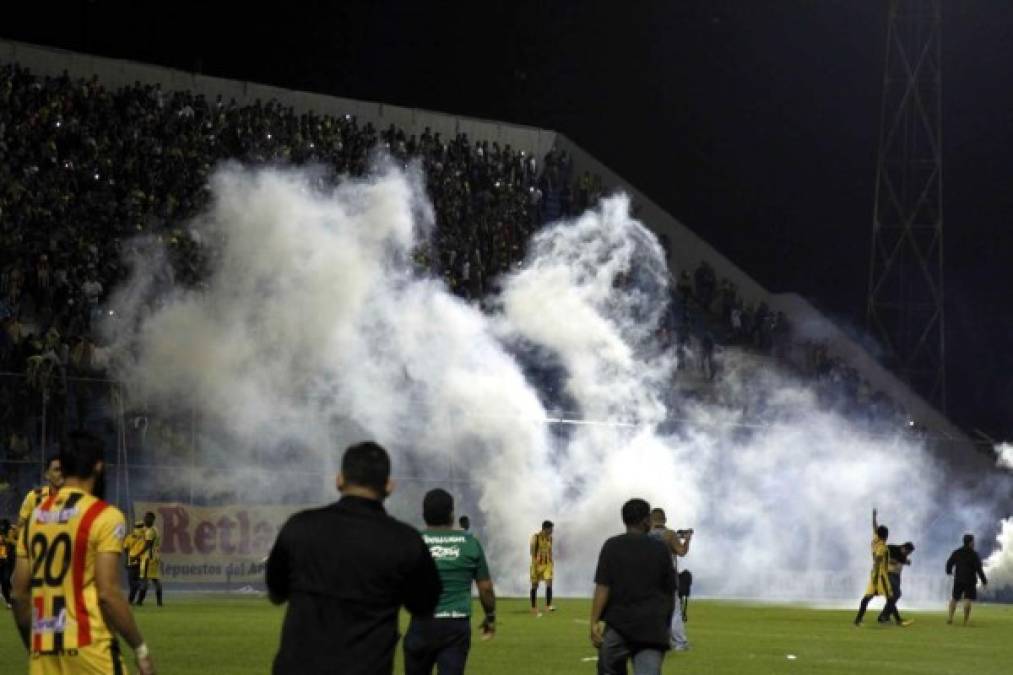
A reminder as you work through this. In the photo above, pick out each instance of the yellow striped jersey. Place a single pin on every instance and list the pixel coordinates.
(61, 540)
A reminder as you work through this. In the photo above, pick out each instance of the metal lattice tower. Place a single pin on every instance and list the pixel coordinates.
(905, 302)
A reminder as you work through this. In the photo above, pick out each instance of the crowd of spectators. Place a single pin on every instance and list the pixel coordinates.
(711, 314)
(83, 169)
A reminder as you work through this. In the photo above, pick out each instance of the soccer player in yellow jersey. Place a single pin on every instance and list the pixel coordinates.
(68, 605)
(879, 577)
(541, 566)
(6, 560)
(35, 496)
(133, 546)
(150, 560)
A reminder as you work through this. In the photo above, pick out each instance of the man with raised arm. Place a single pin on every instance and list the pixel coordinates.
(879, 577)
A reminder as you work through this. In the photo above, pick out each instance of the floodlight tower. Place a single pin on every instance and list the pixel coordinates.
(904, 308)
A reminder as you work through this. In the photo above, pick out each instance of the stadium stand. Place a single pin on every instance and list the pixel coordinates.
(85, 165)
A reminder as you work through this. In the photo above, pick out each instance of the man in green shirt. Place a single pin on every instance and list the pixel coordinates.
(444, 639)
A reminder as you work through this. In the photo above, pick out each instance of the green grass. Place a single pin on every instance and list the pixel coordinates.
(226, 635)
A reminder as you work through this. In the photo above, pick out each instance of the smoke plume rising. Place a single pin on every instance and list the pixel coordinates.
(553, 400)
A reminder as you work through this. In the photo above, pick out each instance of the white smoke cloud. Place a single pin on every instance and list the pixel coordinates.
(999, 565)
(1004, 455)
(314, 327)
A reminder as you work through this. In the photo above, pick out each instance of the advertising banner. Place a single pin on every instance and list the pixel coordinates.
(215, 544)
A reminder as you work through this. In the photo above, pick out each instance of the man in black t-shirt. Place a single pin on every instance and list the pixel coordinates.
(634, 593)
(345, 571)
(965, 577)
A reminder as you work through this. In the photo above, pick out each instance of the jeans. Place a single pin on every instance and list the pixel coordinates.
(890, 609)
(615, 651)
(443, 643)
(679, 640)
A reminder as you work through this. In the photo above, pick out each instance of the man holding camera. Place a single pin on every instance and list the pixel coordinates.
(677, 543)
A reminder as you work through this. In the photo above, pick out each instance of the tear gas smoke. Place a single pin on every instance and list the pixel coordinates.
(999, 564)
(315, 328)
(1004, 455)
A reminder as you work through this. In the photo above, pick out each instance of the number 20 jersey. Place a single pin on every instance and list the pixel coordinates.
(61, 540)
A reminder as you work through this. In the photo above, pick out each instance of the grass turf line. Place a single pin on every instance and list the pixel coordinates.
(229, 635)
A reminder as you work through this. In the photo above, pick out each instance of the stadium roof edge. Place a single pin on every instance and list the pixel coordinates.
(53, 61)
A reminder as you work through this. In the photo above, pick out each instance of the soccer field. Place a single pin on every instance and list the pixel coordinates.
(238, 635)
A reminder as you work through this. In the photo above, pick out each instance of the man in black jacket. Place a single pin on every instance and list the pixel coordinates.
(634, 595)
(965, 579)
(345, 570)
(899, 556)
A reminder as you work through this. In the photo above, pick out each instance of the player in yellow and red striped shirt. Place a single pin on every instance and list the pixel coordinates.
(542, 566)
(68, 604)
(35, 496)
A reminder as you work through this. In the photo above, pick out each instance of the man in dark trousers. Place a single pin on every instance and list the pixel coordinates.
(899, 556)
(345, 570)
(444, 639)
(965, 565)
(634, 595)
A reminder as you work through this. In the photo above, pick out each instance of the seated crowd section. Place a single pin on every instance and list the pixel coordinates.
(83, 169)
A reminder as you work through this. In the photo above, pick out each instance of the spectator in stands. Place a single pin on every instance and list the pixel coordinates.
(705, 283)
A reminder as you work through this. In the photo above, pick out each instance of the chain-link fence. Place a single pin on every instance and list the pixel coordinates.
(180, 457)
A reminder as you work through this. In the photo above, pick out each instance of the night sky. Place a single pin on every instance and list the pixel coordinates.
(755, 123)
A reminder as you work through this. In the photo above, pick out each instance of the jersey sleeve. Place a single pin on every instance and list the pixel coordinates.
(27, 506)
(108, 531)
(21, 548)
(482, 565)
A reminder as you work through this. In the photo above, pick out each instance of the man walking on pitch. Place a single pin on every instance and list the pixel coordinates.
(150, 560)
(634, 592)
(899, 556)
(68, 605)
(444, 639)
(133, 546)
(879, 577)
(965, 565)
(542, 566)
(677, 546)
(345, 571)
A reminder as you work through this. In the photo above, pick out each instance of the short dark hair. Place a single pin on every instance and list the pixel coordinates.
(80, 452)
(438, 507)
(636, 511)
(968, 539)
(883, 532)
(51, 459)
(909, 546)
(464, 522)
(546, 524)
(368, 465)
